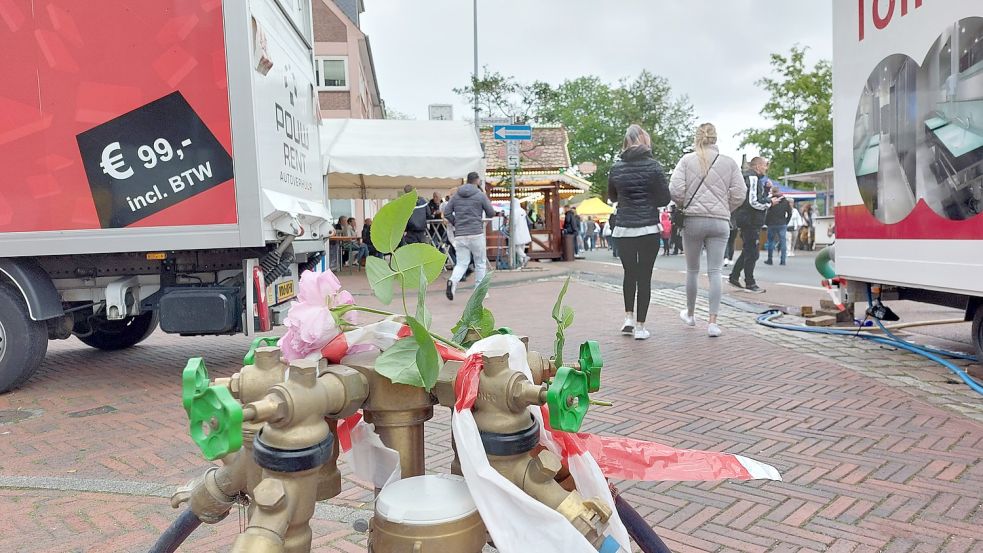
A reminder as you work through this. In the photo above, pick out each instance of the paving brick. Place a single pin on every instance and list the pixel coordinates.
(871, 463)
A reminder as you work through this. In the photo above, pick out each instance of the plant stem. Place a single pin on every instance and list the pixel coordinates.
(437, 337)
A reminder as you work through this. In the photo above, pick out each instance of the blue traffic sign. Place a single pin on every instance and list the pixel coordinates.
(512, 132)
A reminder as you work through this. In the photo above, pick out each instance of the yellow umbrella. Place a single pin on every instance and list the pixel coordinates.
(594, 206)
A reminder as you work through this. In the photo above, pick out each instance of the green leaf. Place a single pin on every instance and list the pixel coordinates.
(398, 363)
(413, 360)
(422, 313)
(427, 357)
(559, 301)
(486, 325)
(381, 278)
(563, 315)
(473, 311)
(389, 224)
(414, 262)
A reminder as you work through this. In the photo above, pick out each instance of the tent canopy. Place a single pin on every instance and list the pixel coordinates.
(375, 158)
(594, 206)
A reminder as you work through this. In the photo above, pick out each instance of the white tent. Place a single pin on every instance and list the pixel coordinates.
(375, 158)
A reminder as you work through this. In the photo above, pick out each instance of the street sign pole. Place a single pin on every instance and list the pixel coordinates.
(512, 211)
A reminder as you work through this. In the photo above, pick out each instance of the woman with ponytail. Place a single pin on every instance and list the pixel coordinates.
(707, 187)
(638, 184)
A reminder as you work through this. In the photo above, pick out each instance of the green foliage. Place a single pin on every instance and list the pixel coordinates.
(563, 315)
(422, 313)
(381, 277)
(390, 223)
(800, 109)
(418, 263)
(595, 114)
(413, 360)
(475, 317)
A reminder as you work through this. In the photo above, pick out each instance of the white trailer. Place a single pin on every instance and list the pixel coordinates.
(908, 129)
(161, 166)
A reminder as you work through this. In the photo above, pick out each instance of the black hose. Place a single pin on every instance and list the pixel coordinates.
(638, 529)
(176, 533)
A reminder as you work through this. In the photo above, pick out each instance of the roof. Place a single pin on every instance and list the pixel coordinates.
(824, 177)
(547, 151)
(375, 158)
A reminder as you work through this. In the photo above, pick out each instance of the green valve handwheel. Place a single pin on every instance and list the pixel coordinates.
(250, 357)
(568, 400)
(215, 420)
(591, 364)
(194, 381)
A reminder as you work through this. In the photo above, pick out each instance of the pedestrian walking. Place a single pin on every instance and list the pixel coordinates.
(666, 221)
(571, 226)
(709, 188)
(777, 219)
(593, 229)
(416, 226)
(676, 230)
(522, 236)
(612, 224)
(465, 211)
(807, 236)
(750, 217)
(794, 225)
(638, 184)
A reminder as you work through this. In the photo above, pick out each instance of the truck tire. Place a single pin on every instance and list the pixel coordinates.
(23, 342)
(115, 335)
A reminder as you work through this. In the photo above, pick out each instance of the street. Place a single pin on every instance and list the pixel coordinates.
(879, 450)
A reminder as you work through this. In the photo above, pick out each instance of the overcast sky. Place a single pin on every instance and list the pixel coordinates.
(711, 50)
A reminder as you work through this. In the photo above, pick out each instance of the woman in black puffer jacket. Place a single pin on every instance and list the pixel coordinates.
(639, 185)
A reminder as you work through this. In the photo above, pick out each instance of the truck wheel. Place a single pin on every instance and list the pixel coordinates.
(114, 335)
(23, 342)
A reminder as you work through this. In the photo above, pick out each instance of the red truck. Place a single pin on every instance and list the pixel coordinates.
(161, 166)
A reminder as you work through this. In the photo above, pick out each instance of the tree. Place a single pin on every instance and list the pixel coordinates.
(800, 108)
(594, 113)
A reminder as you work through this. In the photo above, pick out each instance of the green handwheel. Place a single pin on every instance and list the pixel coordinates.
(591, 364)
(250, 357)
(568, 400)
(194, 381)
(215, 419)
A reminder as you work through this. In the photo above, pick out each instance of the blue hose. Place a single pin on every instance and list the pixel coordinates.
(930, 349)
(766, 319)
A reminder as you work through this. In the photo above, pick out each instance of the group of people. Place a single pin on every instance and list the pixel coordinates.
(589, 233)
(713, 202)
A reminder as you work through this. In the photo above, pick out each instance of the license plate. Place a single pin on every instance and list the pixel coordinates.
(285, 291)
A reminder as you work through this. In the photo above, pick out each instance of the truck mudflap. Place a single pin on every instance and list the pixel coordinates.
(34, 284)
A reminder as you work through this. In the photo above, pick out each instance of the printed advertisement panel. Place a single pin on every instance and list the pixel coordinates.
(286, 123)
(908, 86)
(114, 114)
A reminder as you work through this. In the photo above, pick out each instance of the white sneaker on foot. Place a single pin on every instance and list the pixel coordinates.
(642, 333)
(713, 330)
(629, 325)
(690, 320)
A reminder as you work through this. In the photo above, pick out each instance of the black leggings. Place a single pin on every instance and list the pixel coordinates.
(638, 255)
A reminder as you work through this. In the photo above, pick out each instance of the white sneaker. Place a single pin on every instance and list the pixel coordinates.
(713, 330)
(642, 333)
(690, 320)
(629, 325)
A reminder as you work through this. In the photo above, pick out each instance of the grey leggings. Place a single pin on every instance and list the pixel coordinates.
(711, 234)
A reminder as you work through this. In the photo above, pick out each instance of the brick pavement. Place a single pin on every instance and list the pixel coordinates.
(869, 462)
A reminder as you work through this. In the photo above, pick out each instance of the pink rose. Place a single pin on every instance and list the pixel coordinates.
(310, 325)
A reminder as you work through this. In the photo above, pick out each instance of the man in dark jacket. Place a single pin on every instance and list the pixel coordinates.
(416, 226)
(465, 211)
(777, 219)
(750, 217)
(571, 225)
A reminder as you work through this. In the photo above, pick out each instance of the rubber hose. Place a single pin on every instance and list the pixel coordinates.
(766, 320)
(177, 532)
(638, 529)
(824, 262)
(930, 349)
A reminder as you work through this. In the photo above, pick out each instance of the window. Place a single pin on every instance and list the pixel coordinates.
(331, 73)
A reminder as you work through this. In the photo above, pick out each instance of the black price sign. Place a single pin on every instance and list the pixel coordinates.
(149, 159)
